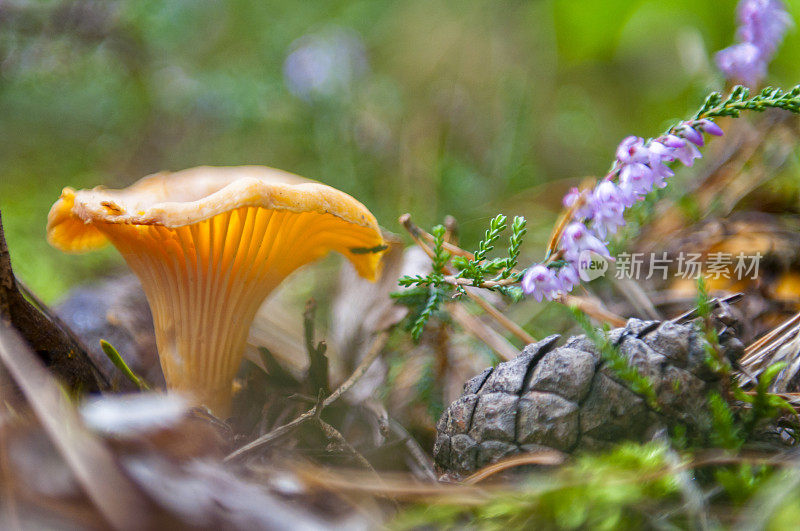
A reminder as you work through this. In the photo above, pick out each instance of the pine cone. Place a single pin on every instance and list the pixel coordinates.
(568, 399)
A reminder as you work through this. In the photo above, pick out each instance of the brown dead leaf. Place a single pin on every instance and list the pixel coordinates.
(91, 461)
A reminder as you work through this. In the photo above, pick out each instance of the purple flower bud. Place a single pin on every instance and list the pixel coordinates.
(707, 126)
(689, 133)
(539, 281)
(571, 197)
(671, 141)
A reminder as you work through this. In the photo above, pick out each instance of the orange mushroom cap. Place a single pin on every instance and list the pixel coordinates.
(209, 244)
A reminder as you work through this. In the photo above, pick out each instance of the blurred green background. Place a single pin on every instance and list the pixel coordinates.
(423, 106)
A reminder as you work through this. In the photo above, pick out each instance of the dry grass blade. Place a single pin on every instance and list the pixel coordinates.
(424, 466)
(507, 323)
(781, 344)
(592, 308)
(392, 485)
(483, 332)
(418, 234)
(542, 457)
(403, 487)
(92, 463)
(638, 298)
(753, 350)
(564, 220)
(713, 304)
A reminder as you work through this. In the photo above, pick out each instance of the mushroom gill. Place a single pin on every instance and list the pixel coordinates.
(209, 244)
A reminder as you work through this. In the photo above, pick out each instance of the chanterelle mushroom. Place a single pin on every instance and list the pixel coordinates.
(209, 244)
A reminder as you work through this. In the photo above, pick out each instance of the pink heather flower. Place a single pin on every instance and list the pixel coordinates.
(635, 181)
(742, 62)
(762, 25)
(660, 154)
(540, 282)
(567, 278)
(577, 238)
(632, 149)
(608, 205)
(687, 154)
(584, 211)
(641, 167)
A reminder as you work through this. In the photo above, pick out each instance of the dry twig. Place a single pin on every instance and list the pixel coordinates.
(375, 350)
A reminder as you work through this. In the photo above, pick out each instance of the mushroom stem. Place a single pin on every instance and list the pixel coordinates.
(202, 305)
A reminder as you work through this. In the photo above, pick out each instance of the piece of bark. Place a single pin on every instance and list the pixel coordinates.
(55, 346)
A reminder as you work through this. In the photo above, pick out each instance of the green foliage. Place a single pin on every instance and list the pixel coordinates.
(636, 382)
(725, 432)
(596, 491)
(478, 270)
(731, 429)
(518, 231)
(740, 482)
(474, 268)
(113, 354)
(440, 256)
(739, 100)
(714, 358)
(429, 392)
(432, 285)
(764, 405)
(435, 296)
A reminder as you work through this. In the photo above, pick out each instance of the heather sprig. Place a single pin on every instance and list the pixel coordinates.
(475, 268)
(640, 167)
(592, 215)
(426, 292)
(739, 100)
